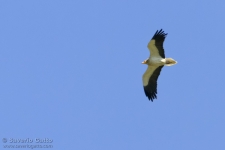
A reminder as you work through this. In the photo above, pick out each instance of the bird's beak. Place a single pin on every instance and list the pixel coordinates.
(144, 62)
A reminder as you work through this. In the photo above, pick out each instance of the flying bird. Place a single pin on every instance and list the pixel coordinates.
(155, 63)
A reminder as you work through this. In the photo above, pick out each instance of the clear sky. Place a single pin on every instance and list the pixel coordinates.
(71, 71)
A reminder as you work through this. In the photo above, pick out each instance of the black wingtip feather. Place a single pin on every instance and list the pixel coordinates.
(150, 94)
(159, 35)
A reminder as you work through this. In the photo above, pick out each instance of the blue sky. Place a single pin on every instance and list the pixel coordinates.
(71, 71)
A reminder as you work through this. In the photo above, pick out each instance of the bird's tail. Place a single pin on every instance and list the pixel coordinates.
(170, 62)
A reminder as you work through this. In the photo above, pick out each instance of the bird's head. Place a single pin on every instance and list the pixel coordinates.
(145, 61)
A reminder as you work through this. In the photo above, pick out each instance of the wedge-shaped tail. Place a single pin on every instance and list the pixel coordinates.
(170, 62)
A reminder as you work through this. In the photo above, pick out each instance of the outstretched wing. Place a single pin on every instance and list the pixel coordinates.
(150, 81)
(156, 44)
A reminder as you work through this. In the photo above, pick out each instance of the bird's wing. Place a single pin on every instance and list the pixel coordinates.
(156, 44)
(150, 81)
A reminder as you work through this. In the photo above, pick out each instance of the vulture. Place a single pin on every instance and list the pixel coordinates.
(155, 63)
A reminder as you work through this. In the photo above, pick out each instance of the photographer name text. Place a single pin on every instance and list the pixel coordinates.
(29, 140)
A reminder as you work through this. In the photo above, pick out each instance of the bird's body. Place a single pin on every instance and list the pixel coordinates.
(155, 63)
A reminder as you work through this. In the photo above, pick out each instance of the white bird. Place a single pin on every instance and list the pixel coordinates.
(155, 63)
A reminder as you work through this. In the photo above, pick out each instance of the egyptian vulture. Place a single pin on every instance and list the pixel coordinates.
(155, 63)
